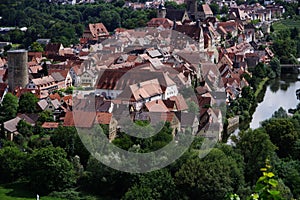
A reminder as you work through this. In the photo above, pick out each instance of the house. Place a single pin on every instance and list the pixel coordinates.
(62, 78)
(177, 15)
(46, 83)
(95, 33)
(236, 13)
(49, 105)
(160, 22)
(194, 31)
(10, 126)
(88, 78)
(113, 82)
(205, 11)
(80, 119)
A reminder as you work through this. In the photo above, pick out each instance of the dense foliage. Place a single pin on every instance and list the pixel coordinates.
(64, 23)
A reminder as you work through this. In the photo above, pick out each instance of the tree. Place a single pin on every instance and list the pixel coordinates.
(9, 107)
(275, 66)
(224, 10)
(210, 178)
(68, 139)
(215, 8)
(111, 19)
(24, 128)
(255, 146)
(12, 163)
(28, 103)
(282, 133)
(280, 113)
(153, 185)
(49, 170)
(112, 182)
(294, 33)
(36, 47)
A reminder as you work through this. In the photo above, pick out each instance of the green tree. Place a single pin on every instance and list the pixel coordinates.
(255, 146)
(153, 185)
(215, 8)
(28, 103)
(68, 139)
(12, 164)
(280, 113)
(111, 19)
(294, 33)
(49, 170)
(210, 178)
(24, 128)
(275, 66)
(266, 186)
(9, 107)
(36, 47)
(282, 133)
(112, 182)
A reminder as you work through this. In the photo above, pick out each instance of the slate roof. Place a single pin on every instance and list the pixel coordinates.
(175, 14)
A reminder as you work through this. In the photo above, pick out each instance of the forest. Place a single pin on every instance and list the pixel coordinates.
(65, 23)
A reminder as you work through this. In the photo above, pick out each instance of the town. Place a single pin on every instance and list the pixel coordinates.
(195, 69)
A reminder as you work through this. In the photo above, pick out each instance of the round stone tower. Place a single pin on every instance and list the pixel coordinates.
(17, 69)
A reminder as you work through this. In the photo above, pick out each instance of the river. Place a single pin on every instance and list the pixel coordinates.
(279, 93)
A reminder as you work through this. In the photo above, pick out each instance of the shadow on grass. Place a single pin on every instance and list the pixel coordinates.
(19, 189)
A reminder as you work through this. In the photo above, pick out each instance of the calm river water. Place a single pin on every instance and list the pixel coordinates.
(279, 93)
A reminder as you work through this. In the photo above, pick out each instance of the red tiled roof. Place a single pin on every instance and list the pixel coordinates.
(54, 96)
(79, 118)
(156, 22)
(98, 29)
(50, 125)
(103, 118)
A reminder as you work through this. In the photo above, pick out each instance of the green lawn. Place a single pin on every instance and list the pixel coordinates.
(286, 23)
(16, 191)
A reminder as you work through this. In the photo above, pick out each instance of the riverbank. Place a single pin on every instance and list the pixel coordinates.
(261, 86)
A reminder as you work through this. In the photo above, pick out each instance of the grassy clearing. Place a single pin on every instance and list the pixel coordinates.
(260, 86)
(17, 191)
(286, 23)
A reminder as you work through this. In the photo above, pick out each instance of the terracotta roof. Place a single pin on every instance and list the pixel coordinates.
(81, 119)
(164, 22)
(98, 29)
(19, 91)
(54, 96)
(180, 102)
(103, 118)
(50, 125)
(156, 106)
(43, 81)
(206, 9)
(146, 89)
